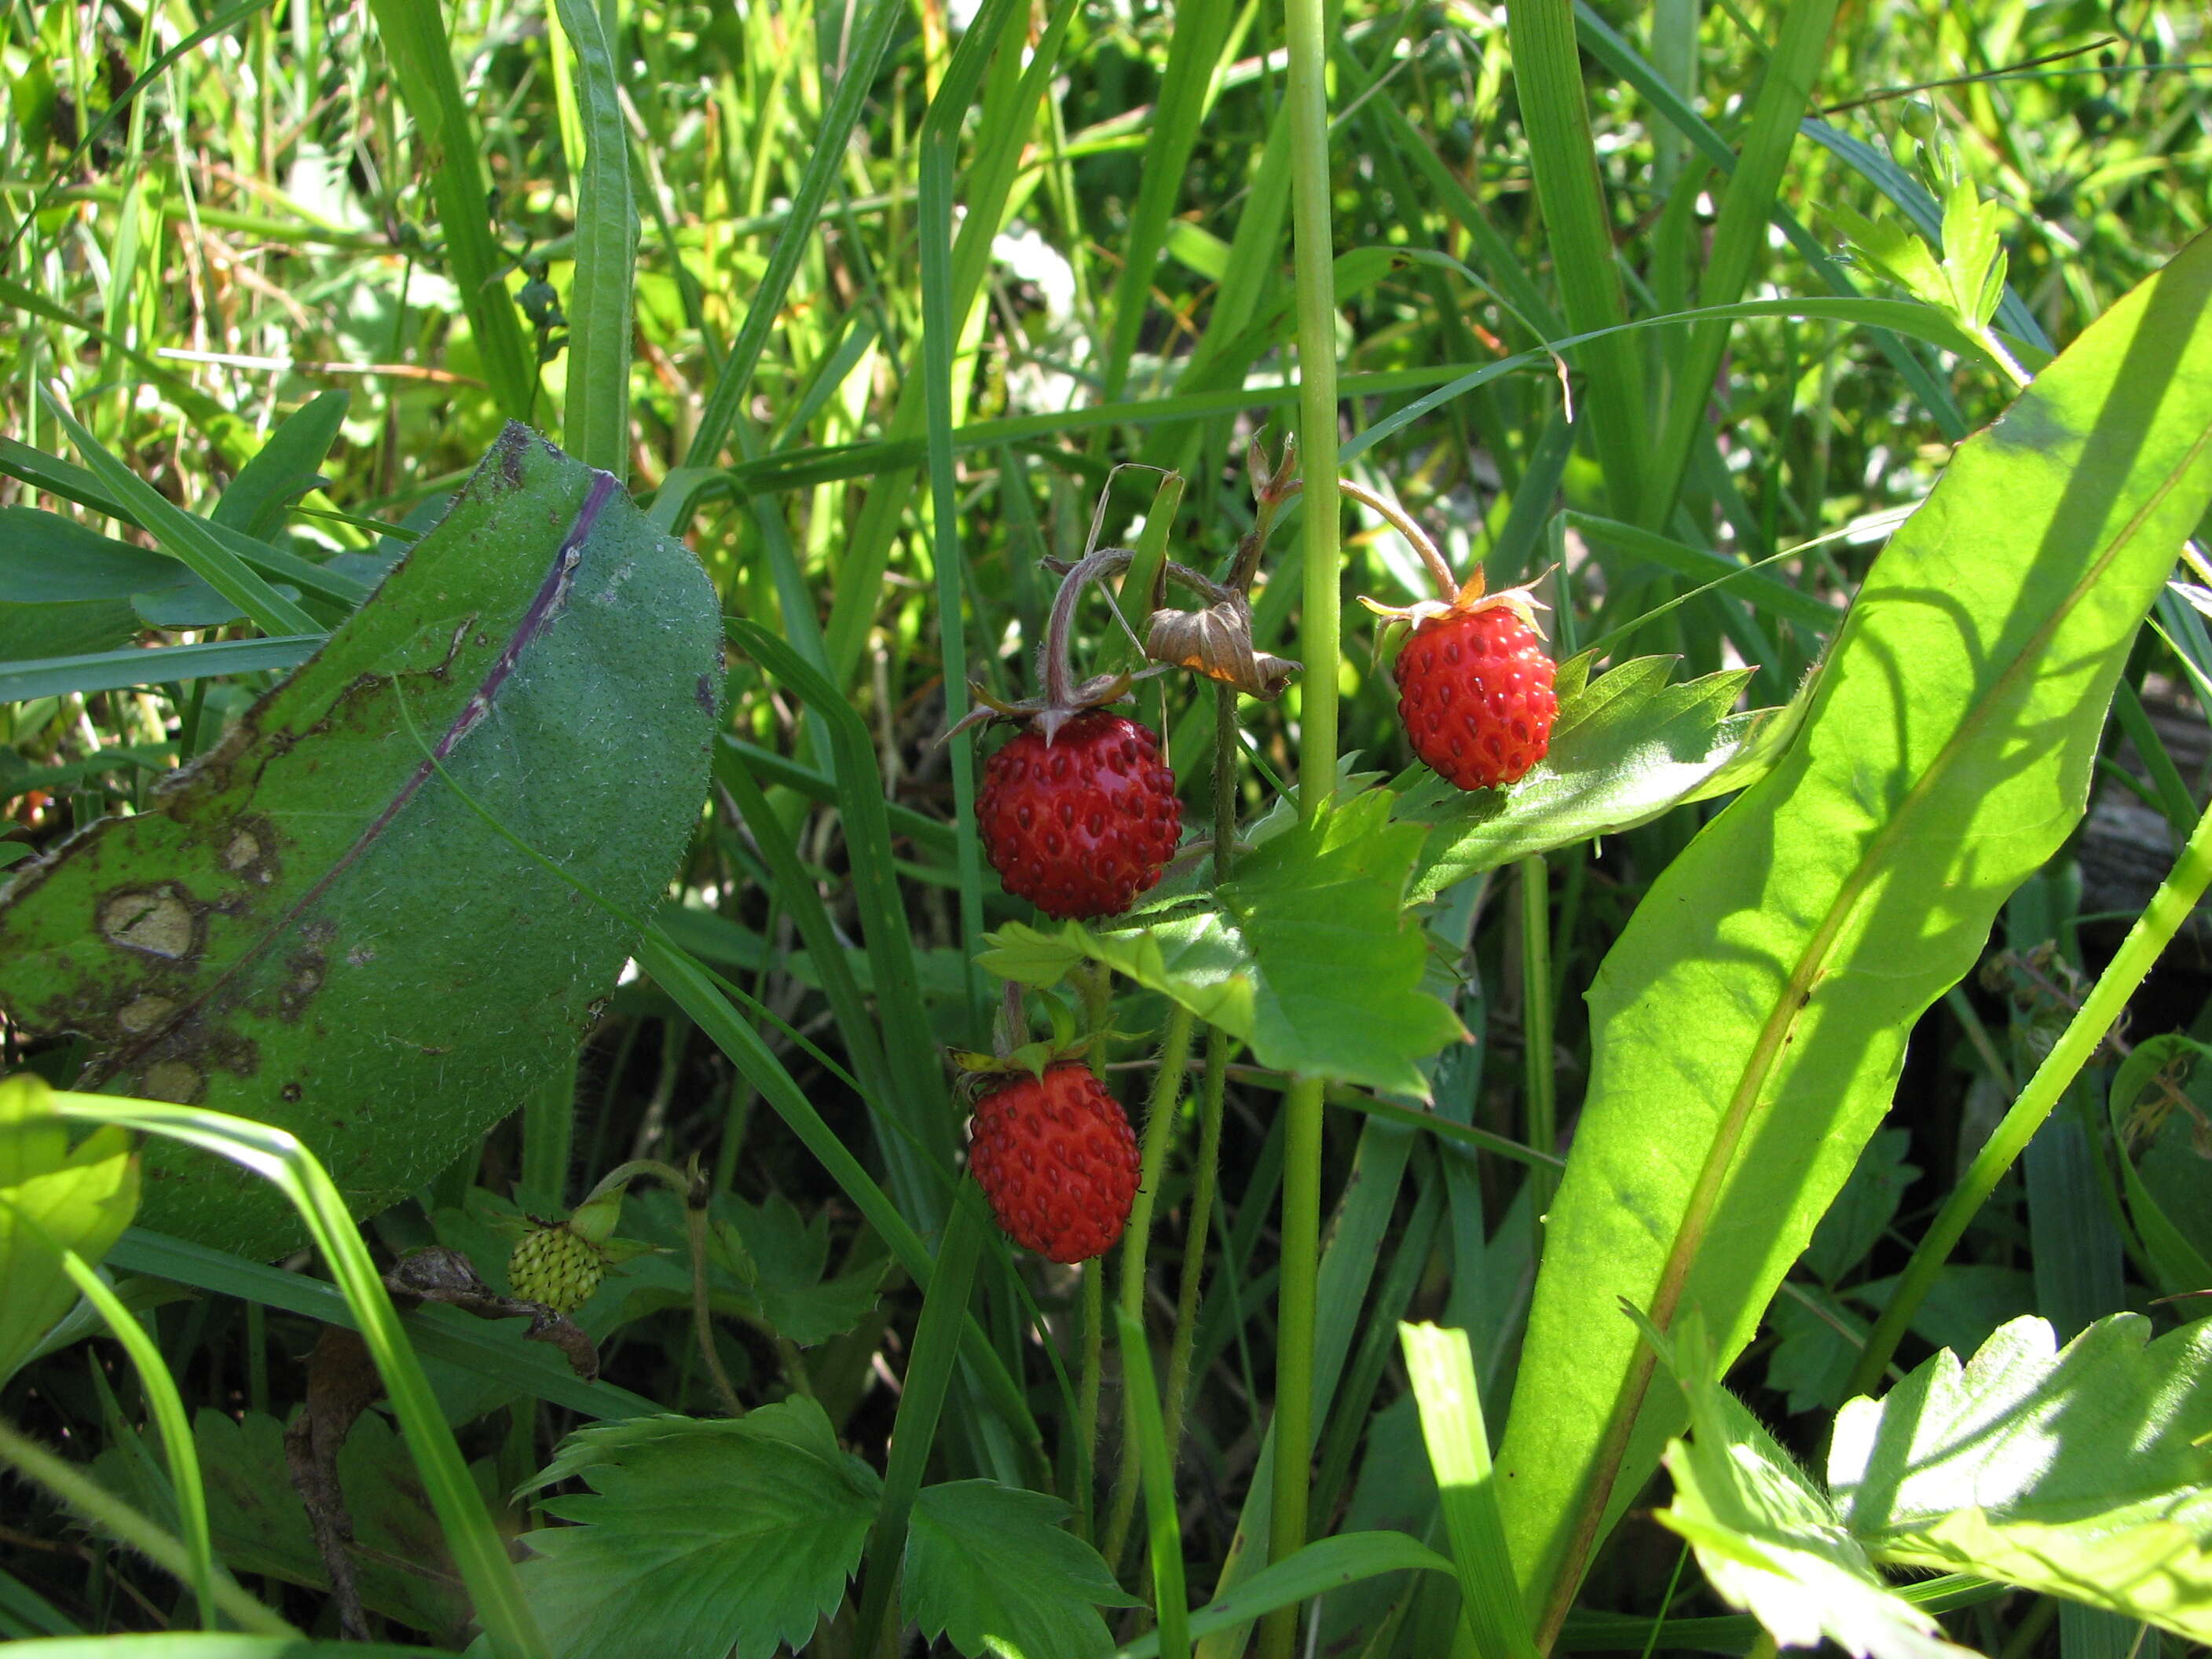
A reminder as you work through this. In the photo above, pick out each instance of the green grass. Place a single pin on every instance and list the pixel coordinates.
(866, 305)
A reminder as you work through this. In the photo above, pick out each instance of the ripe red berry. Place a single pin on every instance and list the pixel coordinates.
(1056, 1158)
(1081, 825)
(1475, 695)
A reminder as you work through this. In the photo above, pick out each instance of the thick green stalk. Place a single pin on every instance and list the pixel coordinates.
(1321, 648)
(2107, 1000)
(1086, 1399)
(1295, 1319)
(1537, 1029)
(1136, 1246)
(1205, 1174)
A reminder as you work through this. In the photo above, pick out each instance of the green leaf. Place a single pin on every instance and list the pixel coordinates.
(991, 1567)
(2165, 1137)
(1863, 1210)
(283, 469)
(1893, 251)
(1751, 1019)
(1309, 958)
(258, 1524)
(1769, 1539)
(1625, 748)
(699, 1536)
(52, 1195)
(310, 928)
(2084, 1473)
(189, 1645)
(766, 1263)
(187, 536)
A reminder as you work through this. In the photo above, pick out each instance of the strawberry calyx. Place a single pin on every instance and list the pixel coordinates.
(1467, 600)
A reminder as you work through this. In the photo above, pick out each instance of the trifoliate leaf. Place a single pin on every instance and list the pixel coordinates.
(1768, 1539)
(990, 1567)
(1625, 748)
(2084, 1473)
(1306, 953)
(700, 1537)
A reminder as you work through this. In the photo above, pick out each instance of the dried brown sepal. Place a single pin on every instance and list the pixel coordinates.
(1522, 601)
(1217, 642)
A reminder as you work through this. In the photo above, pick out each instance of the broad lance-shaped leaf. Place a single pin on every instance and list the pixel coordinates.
(991, 1568)
(700, 1537)
(1626, 747)
(310, 928)
(1750, 1022)
(2084, 1473)
(1309, 958)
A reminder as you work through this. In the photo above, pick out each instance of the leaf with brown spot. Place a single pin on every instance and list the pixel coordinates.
(310, 928)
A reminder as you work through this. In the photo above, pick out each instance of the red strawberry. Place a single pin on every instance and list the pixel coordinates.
(1475, 694)
(1056, 1158)
(1080, 825)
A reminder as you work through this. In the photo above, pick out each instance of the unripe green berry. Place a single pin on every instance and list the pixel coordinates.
(553, 1265)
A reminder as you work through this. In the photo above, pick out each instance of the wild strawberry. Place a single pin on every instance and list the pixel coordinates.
(1475, 695)
(1474, 687)
(1056, 1158)
(1083, 822)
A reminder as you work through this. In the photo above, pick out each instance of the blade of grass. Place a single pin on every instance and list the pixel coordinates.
(170, 664)
(1162, 1520)
(1441, 1367)
(921, 1400)
(414, 34)
(1555, 112)
(1739, 239)
(185, 535)
(277, 1158)
(795, 228)
(595, 420)
(167, 1406)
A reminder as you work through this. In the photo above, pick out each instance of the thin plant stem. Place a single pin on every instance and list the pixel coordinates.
(2108, 1000)
(1204, 1175)
(1306, 101)
(1536, 1030)
(1086, 1398)
(102, 1509)
(1136, 1247)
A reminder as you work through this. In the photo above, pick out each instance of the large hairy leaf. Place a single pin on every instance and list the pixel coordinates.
(991, 1567)
(700, 1537)
(311, 927)
(1750, 1021)
(1309, 957)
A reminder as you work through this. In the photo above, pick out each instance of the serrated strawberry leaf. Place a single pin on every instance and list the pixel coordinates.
(1305, 954)
(2084, 1473)
(990, 1567)
(1625, 748)
(700, 1537)
(1768, 1538)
